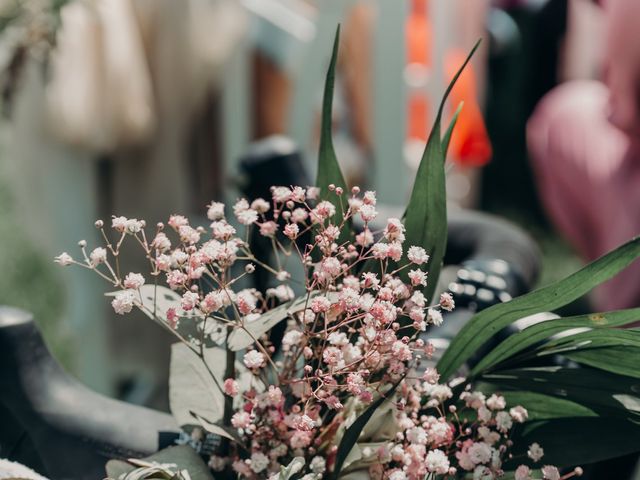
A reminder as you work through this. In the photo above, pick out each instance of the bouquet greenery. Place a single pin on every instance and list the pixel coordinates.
(351, 389)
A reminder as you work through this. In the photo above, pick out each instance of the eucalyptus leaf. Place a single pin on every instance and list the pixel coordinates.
(518, 342)
(241, 338)
(192, 387)
(292, 469)
(218, 429)
(182, 456)
(426, 214)
(328, 168)
(487, 323)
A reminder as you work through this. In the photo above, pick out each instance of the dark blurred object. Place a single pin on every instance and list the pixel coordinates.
(523, 66)
(53, 423)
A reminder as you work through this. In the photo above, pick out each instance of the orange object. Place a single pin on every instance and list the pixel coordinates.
(470, 144)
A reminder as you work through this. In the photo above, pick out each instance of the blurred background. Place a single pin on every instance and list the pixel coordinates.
(144, 108)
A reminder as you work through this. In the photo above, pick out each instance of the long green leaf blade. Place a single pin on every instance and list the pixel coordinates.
(351, 434)
(578, 441)
(446, 138)
(328, 168)
(605, 393)
(487, 323)
(426, 213)
(536, 333)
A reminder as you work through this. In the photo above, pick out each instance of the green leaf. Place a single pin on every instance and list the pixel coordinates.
(487, 323)
(184, 458)
(604, 393)
(290, 470)
(446, 139)
(577, 441)
(426, 214)
(536, 333)
(328, 168)
(545, 407)
(191, 386)
(622, 360)
(616, 351)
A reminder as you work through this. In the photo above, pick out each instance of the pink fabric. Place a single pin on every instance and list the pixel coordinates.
(622, 64)
(589, 179)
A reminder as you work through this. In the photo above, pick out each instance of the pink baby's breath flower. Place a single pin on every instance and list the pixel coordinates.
(417, 255)
(213, 301)
(299, 215)
(550, 472)
(313, 192)
(368, 212)
(163, 262)
(325, 210)
(369, 198)
(280, 194)
(394, 231)
(189, 301)
(63, 259)
(247, 217)
(98, 256)
(260, 205)
(332, 356)
(364, 238)
(355, 383)
(188, 234)
(291, 339)
(172, 317)
(417, 277)
(431, 376)
(246, 301)
(535, 452)
(320, 304)
(215, 211)
(370, 280)
(240, 206)
(298, 194)
(496, 402)
(133, 281)
(268, 229)
(523, 473)
(331, 267)
(380, 250)
(291, 230)
(176, 278)
(254, 360)
(300, 439)
(446, 302)
(231, 387)
(395, 251)
(304, 423)
(124, 301)
(241, 419)
(519, 414)
(161, 242)
(177, 221)
(221, 230)
(434, 317)
(119, 223)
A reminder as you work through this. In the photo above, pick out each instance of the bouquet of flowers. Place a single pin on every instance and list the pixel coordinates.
(347, 385)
